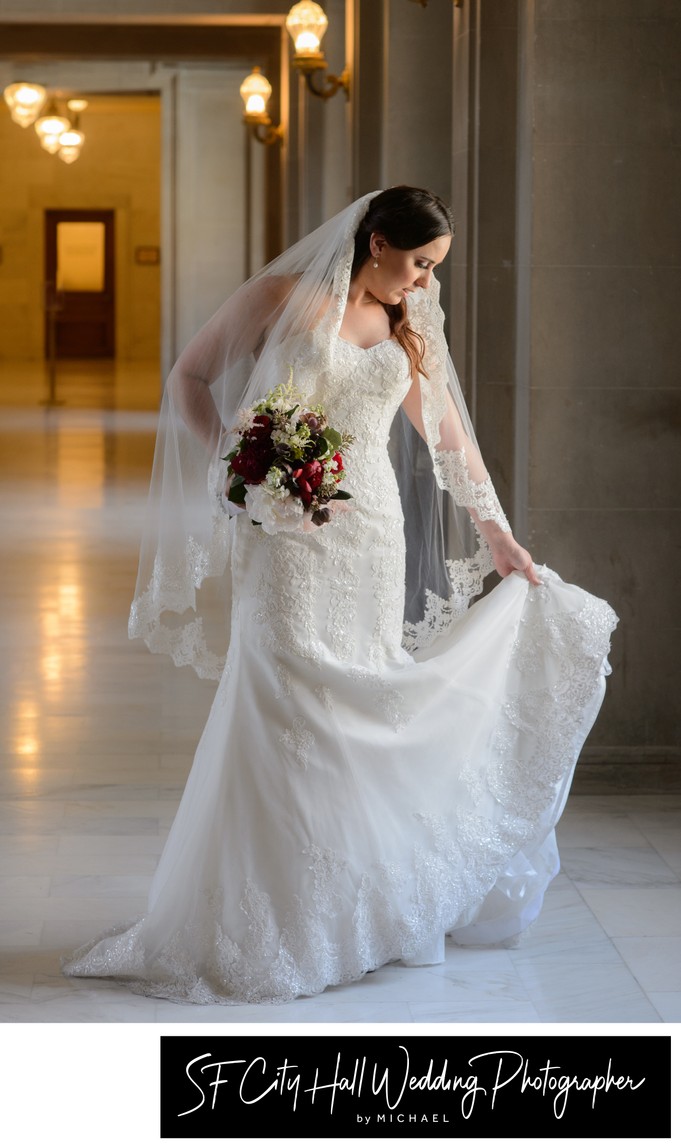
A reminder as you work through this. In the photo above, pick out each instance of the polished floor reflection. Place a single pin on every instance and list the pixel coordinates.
(98, 737)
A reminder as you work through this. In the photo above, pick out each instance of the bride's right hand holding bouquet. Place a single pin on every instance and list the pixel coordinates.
(287, 465)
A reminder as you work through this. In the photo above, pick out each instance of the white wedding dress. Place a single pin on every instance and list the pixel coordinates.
(350, 803)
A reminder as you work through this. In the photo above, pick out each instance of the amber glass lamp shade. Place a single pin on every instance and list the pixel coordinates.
(306, 24)
(24, 101)
(255, 92)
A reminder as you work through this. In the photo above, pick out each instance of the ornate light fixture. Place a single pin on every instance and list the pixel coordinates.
(50, 126)
(24, 101)
(306, 23)
(58, 133)
(255, 92)
(71, 141)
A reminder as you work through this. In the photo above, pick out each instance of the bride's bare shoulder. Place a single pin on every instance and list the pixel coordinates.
(276, 289)
(275, 292)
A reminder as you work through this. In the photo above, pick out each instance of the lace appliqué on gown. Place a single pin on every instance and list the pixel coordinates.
(348, 805)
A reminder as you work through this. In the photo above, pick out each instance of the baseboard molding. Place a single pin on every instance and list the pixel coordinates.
(628, 769)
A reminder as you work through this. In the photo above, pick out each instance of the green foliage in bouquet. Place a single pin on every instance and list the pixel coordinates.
(288, 451)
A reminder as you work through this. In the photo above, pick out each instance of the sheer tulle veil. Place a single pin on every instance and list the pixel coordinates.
(294, 307)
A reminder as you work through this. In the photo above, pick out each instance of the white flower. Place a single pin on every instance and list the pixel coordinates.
(245, 418)
(273, 511)
(273, 482)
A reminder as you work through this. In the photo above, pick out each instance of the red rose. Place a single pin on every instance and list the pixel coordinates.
(313, 472)
(260, 431)
(253, 463)
(336, 467)
(308, 478)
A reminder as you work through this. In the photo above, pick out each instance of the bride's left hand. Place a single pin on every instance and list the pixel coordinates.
(510, 557)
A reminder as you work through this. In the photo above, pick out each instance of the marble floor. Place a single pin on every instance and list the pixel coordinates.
(98, 736)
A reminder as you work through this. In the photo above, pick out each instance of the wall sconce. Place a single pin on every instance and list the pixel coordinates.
(306, 23)
(255, 92)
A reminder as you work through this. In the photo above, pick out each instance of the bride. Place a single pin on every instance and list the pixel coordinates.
(391, 742)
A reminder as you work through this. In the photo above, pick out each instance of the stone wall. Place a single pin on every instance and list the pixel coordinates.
(565, 297)
(605, 469)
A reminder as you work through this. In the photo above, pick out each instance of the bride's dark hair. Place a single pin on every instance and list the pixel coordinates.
(408, 217)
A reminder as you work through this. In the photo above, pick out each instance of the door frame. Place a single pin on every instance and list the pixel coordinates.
(53, 217)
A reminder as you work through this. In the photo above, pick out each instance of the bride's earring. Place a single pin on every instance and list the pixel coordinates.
(375, 262)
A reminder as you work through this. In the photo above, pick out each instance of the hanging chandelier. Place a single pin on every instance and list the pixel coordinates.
(59, 131)
(24, 101)
(50, 125)
(72, 140)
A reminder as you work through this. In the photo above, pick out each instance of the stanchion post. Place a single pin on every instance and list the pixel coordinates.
(52, 306)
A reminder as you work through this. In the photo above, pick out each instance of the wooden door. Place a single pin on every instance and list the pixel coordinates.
(79, 281)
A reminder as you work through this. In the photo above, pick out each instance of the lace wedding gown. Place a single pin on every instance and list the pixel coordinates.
(349, 803)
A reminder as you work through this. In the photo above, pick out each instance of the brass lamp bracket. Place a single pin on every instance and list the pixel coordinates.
(313, 64)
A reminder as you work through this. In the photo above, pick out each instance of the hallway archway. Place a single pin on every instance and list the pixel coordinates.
(192, 66)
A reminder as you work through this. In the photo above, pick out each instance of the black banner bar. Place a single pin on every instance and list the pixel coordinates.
(415, 1086)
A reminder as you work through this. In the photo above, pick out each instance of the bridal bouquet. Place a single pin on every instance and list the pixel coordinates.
(288, 463)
